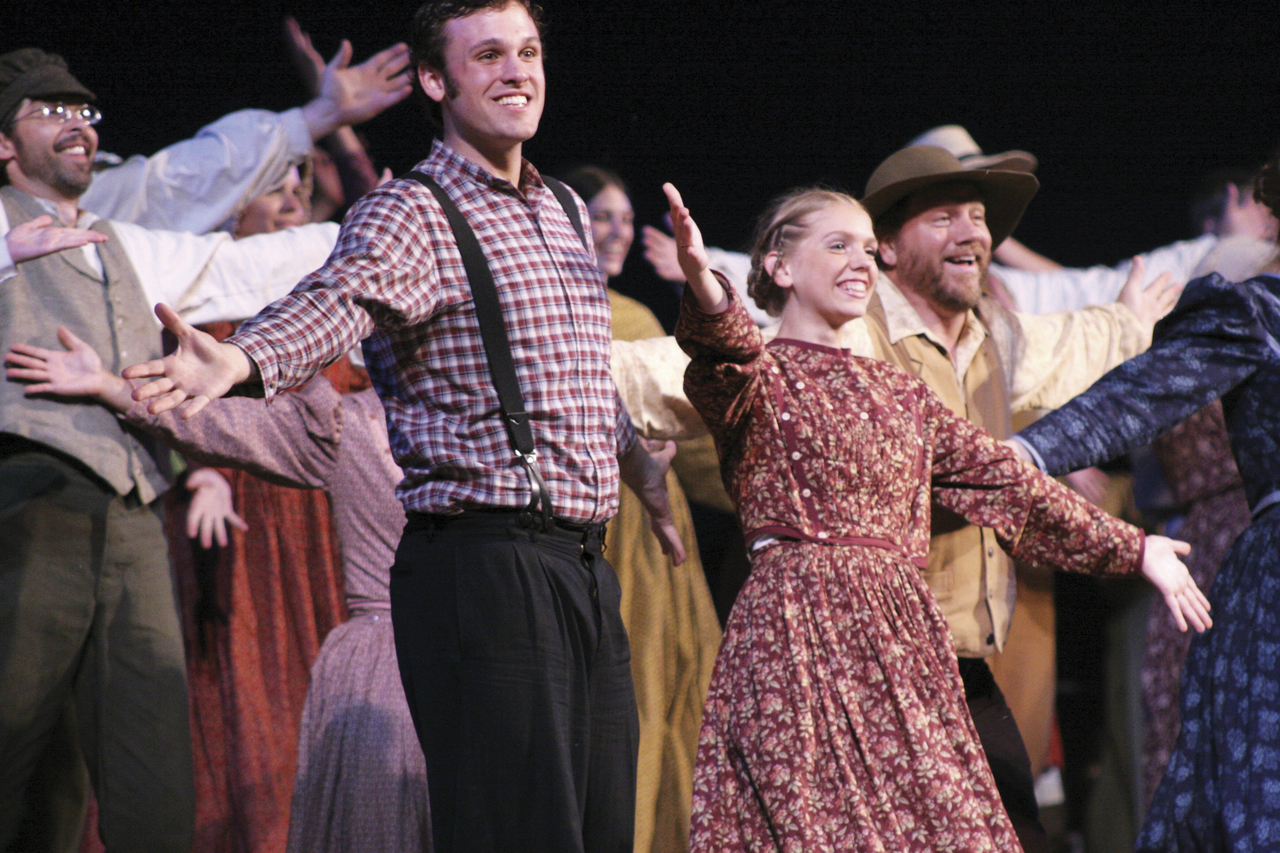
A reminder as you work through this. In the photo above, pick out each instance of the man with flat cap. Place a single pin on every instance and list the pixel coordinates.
(196, 184)
(87, 616)
(937, 223)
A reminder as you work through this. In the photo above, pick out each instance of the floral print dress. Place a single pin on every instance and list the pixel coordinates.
(1221, 789)
(836, 719)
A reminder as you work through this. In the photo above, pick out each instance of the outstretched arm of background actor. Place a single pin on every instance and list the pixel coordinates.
(645, 474)
(200, 370)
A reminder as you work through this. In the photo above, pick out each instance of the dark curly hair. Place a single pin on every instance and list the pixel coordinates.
(785, 221)
(1266, 189)
(426, 35)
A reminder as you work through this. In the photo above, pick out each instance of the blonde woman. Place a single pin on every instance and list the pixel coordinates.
(836, 718)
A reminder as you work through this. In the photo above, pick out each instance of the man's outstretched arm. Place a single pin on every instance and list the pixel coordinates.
(196, 184)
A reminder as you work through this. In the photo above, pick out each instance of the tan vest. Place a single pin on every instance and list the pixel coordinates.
(969, 574)
(113, 317)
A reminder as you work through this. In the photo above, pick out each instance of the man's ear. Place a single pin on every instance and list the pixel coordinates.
(888, 252)
(433, 82)
(7, 149)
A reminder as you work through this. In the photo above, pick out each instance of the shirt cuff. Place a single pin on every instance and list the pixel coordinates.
(259, 354)
(295, 127)
(1035, 454)
(8, 269)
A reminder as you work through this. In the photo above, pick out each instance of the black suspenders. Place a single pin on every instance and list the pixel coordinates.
(493, 331)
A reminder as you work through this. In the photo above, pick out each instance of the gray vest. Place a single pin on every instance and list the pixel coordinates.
(113, 317)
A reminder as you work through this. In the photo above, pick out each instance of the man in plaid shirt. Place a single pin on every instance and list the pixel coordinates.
(510, 641)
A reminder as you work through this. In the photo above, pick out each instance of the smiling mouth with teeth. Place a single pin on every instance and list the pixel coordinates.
(513, 100)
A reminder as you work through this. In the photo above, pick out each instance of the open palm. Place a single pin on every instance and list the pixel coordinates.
(75, 372)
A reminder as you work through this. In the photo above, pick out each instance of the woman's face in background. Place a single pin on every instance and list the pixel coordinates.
(283, 206)
(612, 228)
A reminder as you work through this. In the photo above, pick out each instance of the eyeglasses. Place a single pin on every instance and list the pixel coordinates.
(65, 113)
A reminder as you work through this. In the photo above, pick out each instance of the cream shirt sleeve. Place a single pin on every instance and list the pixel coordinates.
(197, 184)
(210, 277)
(1051, 358)
(1071, 289)
(649, 374)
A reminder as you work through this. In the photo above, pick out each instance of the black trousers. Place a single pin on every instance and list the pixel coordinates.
(1006, 753)
(518, 674)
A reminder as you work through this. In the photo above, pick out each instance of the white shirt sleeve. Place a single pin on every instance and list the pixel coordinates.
(197, 184)
(8, 269)
(1073, 289)
(210, 277)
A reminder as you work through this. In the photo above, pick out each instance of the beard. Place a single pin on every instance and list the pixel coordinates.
(69, 179)
(950, 289)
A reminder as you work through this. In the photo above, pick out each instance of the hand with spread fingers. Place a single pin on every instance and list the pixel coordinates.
(660, 252)
(1149, 302)
(76, 371)
(200, 370)
(352, 94)
(211, 511)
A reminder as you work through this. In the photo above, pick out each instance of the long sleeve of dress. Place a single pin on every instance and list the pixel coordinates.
(725, 350)
(1212, 341)
(292, 442)
(1037, 520)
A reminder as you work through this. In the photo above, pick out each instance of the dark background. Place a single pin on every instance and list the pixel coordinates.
(1126, 106)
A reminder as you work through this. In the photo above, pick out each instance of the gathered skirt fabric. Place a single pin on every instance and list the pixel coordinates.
(362, 780)
(1221, 789)
(836, 718)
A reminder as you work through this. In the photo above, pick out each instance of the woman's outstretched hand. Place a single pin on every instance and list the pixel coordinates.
(1161, 566)
(692, 256)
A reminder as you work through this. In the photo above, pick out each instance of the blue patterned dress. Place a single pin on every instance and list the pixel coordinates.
(1221, 790)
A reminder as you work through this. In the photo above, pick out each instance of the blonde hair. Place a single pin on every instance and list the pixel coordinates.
(783, 223)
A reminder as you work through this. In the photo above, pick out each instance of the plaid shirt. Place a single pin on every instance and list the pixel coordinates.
(397, 278)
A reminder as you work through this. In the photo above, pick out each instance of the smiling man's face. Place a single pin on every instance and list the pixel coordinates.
(492, 83)
(46, 157)
(943, 248)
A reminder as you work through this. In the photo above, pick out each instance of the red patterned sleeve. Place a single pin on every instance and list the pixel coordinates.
(727, 352)
(1036, 519)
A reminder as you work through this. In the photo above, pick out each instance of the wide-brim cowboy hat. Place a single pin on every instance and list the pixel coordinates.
(1005, 193)
(957, 140)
